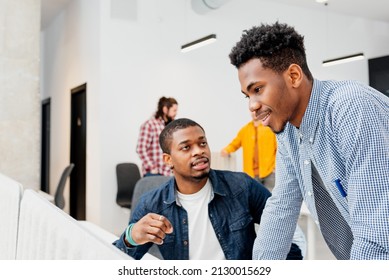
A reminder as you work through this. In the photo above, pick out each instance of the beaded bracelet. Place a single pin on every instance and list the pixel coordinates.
(129, 237)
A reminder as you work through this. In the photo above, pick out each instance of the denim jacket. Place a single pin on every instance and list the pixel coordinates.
(237, 204)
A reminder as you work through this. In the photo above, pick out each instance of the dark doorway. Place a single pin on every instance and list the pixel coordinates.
(78, 153)
(379, 74)
(45, 148)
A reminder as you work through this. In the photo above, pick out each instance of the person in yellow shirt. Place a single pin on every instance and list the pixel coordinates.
(259, 151)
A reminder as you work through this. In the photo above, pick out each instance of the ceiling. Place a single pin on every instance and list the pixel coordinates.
(371, 9)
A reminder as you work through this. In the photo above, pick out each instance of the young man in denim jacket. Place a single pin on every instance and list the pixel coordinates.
(200, 213)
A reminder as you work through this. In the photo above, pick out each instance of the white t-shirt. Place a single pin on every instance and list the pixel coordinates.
(203, 243)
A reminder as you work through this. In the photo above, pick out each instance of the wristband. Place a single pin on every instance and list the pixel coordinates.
(129, 237)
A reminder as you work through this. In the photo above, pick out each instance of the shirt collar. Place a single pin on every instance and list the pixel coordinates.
(216, 188)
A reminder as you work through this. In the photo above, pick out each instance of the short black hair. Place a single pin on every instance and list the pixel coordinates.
(166, 136)
(277, 46)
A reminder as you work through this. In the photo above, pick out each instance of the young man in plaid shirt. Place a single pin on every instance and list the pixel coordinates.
(148, 147)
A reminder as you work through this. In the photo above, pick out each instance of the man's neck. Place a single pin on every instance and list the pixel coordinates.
(305, 91)
(190, 186)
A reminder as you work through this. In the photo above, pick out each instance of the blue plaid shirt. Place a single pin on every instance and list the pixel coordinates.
(345, 134)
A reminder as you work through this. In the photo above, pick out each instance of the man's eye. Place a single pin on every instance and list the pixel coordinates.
(185, 148)
(203, 144)
(257, 89)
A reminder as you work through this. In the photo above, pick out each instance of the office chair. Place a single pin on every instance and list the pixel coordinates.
(127, 175)
(59, 199)
(143, 186)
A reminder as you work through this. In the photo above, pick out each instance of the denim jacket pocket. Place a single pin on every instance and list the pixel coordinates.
(241, 223)
(241, 237)
(169, 238)
(168, 246)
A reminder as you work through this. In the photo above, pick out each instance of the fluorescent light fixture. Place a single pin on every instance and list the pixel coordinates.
(343, 59)
(321, 1)
(198, 43)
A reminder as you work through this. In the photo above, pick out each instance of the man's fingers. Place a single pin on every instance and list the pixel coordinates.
(161, 222)
(155, 234)
(155, 239)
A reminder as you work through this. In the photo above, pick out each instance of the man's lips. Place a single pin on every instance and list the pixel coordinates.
(200, 163)
(263, 115)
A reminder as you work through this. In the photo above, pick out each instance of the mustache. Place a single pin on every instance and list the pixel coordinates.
(260, 115)
(200, 159)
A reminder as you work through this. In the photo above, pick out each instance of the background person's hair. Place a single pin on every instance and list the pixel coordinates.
(166, 136)
(277, 46)
(164, 101)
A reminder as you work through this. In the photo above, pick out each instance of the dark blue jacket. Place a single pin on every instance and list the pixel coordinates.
(237, 204)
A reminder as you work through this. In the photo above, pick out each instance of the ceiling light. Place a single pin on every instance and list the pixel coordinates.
(343, 59)
(198, 43)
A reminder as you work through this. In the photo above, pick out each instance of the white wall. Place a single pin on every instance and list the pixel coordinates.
(71, 55)
(129, 63)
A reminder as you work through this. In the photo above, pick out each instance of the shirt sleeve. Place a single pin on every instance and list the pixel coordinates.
(139, 251)
(258, 196)
(279, 218)
(236, 143)
(361, 128)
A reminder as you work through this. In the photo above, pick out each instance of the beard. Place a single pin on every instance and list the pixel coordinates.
(203, 175)
(168, 120)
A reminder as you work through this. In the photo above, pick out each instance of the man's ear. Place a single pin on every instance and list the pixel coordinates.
(295, 75)
(167, 159)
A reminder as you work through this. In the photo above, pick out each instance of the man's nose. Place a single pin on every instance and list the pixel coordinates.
(254, 104)
(198, 150)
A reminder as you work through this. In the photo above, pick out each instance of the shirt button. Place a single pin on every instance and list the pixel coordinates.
(311, 140)
(184, 221)
(210, 215)
(185, 242)
(317, 222)
(306, 162)
(309, 193)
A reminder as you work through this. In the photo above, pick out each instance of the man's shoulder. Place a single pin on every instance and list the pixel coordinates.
(155, 196)
(247, 126)
(229, 173)
(339, 92)
(231, 179)
(149, 121)
(235, 183)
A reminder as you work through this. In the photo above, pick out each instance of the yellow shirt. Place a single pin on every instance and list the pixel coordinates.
(267, 147)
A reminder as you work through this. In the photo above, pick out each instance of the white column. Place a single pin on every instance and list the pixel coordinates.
(19, 91)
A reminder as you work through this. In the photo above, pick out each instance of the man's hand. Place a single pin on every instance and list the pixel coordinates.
(151, 228)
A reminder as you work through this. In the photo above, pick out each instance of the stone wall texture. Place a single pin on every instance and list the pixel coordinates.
(20, 105)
